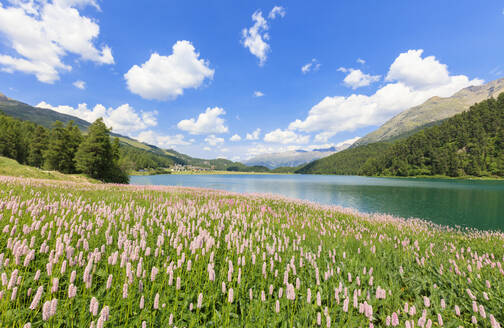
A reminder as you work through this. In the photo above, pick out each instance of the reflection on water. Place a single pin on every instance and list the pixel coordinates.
(478, 204)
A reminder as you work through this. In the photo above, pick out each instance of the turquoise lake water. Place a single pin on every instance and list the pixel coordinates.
(468, 203)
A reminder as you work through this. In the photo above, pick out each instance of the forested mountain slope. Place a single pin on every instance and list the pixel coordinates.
(468, 144)
(346, 162)
(432, 111)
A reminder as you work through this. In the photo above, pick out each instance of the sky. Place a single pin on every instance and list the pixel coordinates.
(235, 79)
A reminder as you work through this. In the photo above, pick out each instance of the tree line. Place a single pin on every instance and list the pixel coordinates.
(63, 148)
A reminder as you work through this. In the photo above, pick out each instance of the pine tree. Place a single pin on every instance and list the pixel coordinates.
(38, 145)
(54, 156)
(97, 156)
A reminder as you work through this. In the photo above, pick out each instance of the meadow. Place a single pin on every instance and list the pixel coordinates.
(76, 254)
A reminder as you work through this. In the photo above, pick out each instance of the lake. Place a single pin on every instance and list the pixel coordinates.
(469, 203)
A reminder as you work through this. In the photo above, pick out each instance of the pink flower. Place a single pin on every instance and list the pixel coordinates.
(395, 320)
(36, 298)
(230, 295)
(200, 301)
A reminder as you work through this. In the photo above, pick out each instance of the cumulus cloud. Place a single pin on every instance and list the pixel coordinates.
(286, 137)
(313, 65)
(412, 80)
(213, 140)
(160, 140)
(277, 10)
(206, 123)
(255, 37)
(360, 61)
(254, 135)
(261, 149)
(356, 78)
(235, 137)
(42, 33)
(166, 77)
(258, 94)
(123, 119)
(79, 84)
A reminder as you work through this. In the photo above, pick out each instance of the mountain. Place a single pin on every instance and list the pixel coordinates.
(41, 116)
(432, 112)
(139, 154)
(468, 144)
(295, 158)
(288, 158)
(346, 162)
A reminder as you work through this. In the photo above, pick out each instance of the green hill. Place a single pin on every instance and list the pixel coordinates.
(134, 154)
(468, 144)
(432, 112)
(11, 167)
(346, 162)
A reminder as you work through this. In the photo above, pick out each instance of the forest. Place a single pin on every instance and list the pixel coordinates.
(468, 144)
(63, 148)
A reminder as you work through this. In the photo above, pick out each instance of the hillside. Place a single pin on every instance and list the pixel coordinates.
(346, 162)
(134, 154)
(432, 111)
(10, 167)
(468, 144)
(41, 116)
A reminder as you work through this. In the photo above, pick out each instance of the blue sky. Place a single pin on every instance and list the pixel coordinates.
(197, 76)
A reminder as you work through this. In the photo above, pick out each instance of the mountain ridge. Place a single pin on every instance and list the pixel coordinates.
(432, 112)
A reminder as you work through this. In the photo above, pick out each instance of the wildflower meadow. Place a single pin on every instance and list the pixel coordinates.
(95, 255)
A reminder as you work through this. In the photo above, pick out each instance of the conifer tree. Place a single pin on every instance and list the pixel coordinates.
(98, 157)
(38, 145)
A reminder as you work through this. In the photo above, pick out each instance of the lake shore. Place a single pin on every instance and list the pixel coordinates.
(140, 173)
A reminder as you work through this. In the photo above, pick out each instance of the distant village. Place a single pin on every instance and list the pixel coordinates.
(182, 168)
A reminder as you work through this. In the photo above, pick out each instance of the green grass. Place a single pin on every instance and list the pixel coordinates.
(130, 232)
(10, 167)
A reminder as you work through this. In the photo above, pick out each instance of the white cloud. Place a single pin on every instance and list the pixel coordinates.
(163, 141)
(347, 142)
(356, 78)
(277, 10)
(206, 148)
(235, 137)
(79, 84)
(207, 122)
(123, 119)
(286, 137)
(258, 94)
(313, 65)
(254, 135)
(213, 140)
(413, 80)
(166, 77)
(261, 149)
(360, 61)
(42, 33)
(254, 37)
